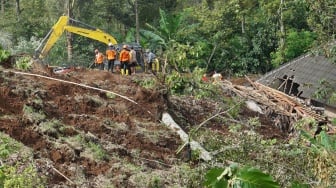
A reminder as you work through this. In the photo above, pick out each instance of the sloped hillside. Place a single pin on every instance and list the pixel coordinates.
(91, 128)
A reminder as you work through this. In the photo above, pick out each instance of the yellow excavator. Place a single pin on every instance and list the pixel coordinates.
(66, 23)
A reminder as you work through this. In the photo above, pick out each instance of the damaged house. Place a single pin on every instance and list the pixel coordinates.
(306, 77)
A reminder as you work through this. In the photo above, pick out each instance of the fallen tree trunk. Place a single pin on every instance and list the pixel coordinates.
(195, 146)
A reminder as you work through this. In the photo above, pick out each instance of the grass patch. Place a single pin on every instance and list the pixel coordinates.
(92, 149)
(148, 83)
(33, 115)
(14, 171)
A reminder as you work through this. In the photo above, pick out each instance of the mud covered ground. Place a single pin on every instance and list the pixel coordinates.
(84, 136)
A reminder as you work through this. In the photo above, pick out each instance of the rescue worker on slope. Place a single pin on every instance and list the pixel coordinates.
(111, 54)
(149, 60)
(99, 60)
(133, 60)
(124, 59)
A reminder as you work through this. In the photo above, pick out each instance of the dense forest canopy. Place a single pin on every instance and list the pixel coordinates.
(231, 36)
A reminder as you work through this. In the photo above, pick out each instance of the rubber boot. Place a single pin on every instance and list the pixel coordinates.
(126, 71)
(157, 68)
(122, 71)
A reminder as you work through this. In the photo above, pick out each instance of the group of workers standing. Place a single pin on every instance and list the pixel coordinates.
(128, 58)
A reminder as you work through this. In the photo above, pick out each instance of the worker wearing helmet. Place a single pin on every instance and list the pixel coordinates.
(99, 60)
(111, 54)
(124, 59)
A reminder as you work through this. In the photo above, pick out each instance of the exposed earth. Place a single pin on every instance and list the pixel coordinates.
(85, 136)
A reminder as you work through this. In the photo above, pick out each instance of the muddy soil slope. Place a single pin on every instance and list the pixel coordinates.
(84, 136)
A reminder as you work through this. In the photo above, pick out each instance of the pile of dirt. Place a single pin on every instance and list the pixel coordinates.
(96, 127)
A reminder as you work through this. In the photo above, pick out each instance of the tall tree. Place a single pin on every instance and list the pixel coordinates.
(17, 8)
(322, 20)
(2, 7)
(137, 26)
(69, 7)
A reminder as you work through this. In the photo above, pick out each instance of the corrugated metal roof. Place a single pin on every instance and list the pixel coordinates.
(307, 71)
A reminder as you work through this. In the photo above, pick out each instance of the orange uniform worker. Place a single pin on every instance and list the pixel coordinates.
(124, 59)
(99, 60)
(111, 54)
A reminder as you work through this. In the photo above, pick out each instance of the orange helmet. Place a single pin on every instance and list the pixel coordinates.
(125, 46)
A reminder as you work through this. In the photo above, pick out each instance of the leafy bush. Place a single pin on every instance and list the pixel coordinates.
(26, 46)
(322, 152)
(28, 177)
(18, 174)
(5, 40)
(326, 91)
(297, 44)
(7, 146)
(148, 83)
(4, 55)
(235, 176)
(191, 84)
(282, 160)
(23, 63)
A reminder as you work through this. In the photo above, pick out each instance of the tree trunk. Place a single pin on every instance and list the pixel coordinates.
(137, 27)
(68, 34)
(17, 9)
(2, 7)
(282, 31)
(243, 24)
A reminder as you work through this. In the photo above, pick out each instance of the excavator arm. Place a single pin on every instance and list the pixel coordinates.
(63, 25)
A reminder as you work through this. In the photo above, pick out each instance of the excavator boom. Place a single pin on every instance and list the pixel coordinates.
(63, 25)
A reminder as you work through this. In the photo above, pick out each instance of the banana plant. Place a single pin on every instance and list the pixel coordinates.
(234, 176)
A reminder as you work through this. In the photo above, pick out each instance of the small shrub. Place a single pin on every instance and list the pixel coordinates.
(24, 63)
(97, 150)
(7, 146)
(28, 178)
(4, 55)
(235, 176)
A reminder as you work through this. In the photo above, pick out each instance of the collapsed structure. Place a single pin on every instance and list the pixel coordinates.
(287, 94)
(303, 78)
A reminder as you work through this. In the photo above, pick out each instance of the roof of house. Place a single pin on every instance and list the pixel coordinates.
(307, 71)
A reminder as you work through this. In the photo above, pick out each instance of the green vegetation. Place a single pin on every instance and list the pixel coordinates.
(148, 83)
(23, 63)
(53, 127)
(92, 148)
(235, 37)
(21, 173)
(313, 158)
(32, 114)
(4, 55)
(326, 91)
(235, 176)
(192, 38)
(11, 176)
(8, 146)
